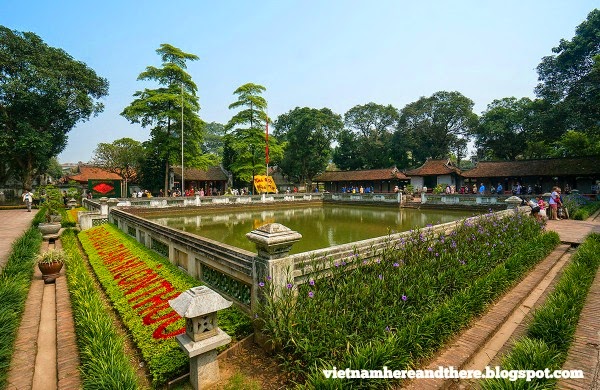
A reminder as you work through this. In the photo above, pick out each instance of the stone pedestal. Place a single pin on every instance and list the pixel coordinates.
(204, 366)
(103, 205)
(273, 243)
(513, 203)
(199, 306)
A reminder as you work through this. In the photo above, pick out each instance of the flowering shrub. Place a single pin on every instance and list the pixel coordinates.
(409, 295)
(140, 283)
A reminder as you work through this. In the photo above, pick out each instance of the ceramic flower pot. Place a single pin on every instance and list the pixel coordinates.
(49, 228)
(50, 271)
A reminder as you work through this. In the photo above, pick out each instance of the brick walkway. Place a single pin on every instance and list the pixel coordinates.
(44, 360)
(474, 342)
(14, 223)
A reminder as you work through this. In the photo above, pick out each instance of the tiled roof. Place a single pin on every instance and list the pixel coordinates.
(434, 167)
(210, 174)
(365, 175)
(543, 167)
(87, 172)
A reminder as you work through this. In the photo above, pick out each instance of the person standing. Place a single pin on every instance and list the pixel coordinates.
(27, 198)
(499, 189)
(554, 204)
(482, 189)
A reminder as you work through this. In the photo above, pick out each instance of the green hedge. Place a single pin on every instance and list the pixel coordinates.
(104, 363)
(15, 281)
(104, 244)
(551, 331)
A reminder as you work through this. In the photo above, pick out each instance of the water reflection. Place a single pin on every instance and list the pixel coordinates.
(320, 226)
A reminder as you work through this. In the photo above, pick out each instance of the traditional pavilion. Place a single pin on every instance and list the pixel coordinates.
(381, 180)
(434, 172)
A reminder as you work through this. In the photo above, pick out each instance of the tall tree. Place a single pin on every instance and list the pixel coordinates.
(346, 154)
(213, 139)
(308, 133)
(44, 93)
(245, 142)
(504, 129)
(437, 124)
(161, 110)
(374, 124)
(122, 156)
(569, 80)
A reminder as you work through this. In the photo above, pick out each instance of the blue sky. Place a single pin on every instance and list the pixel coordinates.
(328, 53)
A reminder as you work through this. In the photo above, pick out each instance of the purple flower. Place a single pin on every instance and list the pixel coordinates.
(378, 261)
(436, 254)
(311, 282)
(289, 285)
(261, 284)
(380, 277)
(336, 264)
(343, 263)
(269, 278)
(387, 328)
(453, 245)
(404, 298)
(396, 265)
(364, 261)
(311, 294)
(430, 249)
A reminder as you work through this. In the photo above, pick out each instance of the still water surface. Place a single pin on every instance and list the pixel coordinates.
(320, 226)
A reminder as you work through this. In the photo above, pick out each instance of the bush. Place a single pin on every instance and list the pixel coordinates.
(104, 363)
(404, 304)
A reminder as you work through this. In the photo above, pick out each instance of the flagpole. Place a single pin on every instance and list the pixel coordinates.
(267, 144)
(182, 182)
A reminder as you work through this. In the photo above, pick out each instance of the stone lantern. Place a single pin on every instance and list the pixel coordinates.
(199, 306)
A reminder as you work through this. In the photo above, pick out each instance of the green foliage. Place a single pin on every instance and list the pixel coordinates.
(164, 358)
(104, 362)
(122, 156)
(504, 129)
(161, 110)
(44, 93)
(307, 133)
(245, 144)
(15, 280)
(402, 305)
(51, 256)
(374, 125)
(437, 125)
(569, 79)
(241, 382)
(553, 325)
(52, 203)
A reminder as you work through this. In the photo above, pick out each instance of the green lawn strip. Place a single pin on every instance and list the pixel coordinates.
(141, 315)
(584, 212)
(104, 363)
(15, 281)
(553, 325)
(420, 338)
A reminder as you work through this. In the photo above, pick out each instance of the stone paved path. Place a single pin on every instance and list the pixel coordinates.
(46, 356)
(475, 347)
(12, 225)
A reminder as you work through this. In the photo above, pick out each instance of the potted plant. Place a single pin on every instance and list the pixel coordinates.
(51, 204)
(50, 263)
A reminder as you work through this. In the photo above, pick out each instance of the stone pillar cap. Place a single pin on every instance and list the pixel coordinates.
(198, 301)
(273, 234)
(514, 199)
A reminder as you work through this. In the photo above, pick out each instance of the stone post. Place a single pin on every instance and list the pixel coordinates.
(273, 243)
(272, 264)
(104, 205)
(513, 203)
(199, 306)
